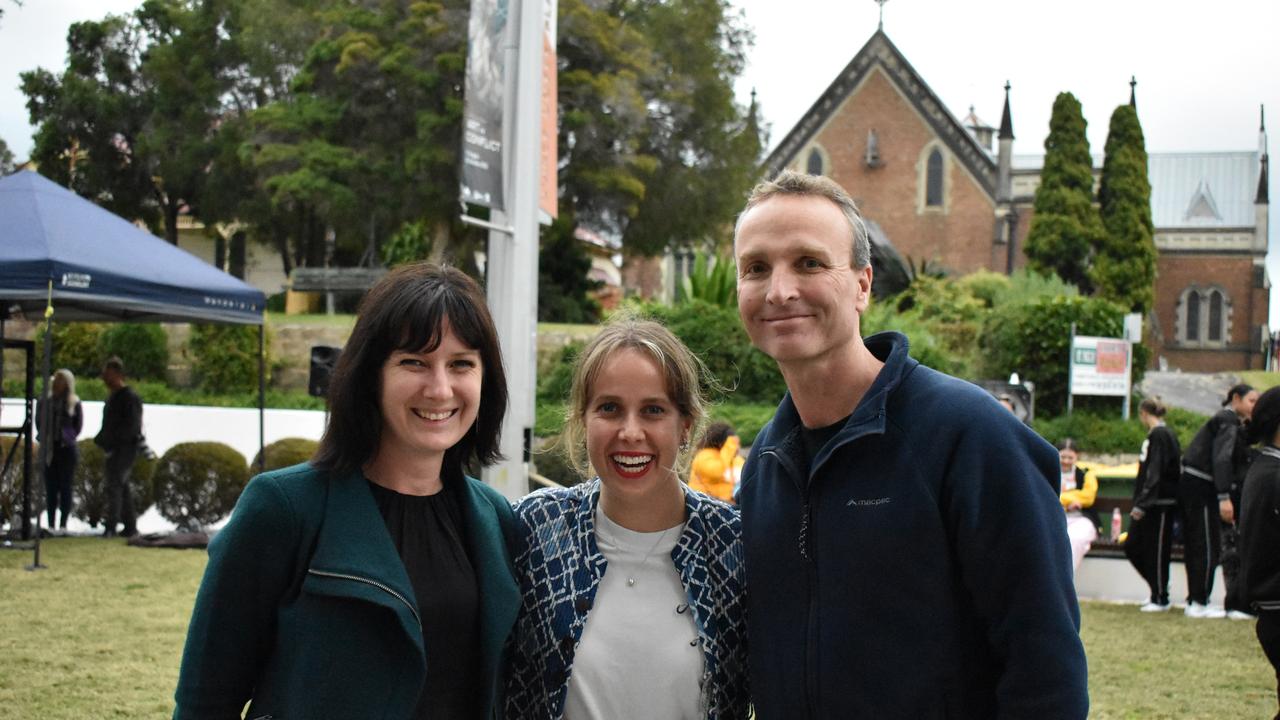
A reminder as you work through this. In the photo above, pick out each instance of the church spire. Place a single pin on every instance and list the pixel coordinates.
(1263, 196)
(1006, 119)
(881, 4)
(1133, 84)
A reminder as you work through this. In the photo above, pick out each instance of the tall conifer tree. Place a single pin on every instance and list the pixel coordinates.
(1066, 229)
(1124, 268)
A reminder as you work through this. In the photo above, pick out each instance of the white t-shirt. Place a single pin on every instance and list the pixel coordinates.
(639, 656)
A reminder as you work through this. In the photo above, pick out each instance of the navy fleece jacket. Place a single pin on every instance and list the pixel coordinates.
(920, 570)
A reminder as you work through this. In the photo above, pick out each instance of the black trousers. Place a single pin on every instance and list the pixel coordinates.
(57, 482)
(1231, 566)
(1149, 547)
(1268, 630)
(1201, 535)
(119, 498)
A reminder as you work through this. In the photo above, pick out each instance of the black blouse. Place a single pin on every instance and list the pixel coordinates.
(428, 532)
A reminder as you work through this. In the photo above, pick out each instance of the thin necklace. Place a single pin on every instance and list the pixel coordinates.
(631, 575)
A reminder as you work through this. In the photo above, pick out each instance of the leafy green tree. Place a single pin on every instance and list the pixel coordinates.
(6, 158)
(1065, 230)
(130, 121)
(563, 286)
(89, 118)
(1124, 269)
(653, 148)
(1033, 339)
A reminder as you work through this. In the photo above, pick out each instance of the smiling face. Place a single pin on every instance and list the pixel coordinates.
(429, 400)
(1067, 459)
(633, 429)
(798, 293)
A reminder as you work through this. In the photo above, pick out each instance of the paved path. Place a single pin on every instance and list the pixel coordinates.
(1198, 392)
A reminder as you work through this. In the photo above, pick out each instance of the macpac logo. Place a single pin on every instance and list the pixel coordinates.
(868, 502)
(76, 280)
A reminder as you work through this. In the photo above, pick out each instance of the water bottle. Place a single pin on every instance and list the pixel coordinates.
(1115, 525)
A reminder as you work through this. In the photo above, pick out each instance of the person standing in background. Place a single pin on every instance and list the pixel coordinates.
(1209, 493)
(119, 438)
(1260, 529)
(64, 427)
(1155, 503)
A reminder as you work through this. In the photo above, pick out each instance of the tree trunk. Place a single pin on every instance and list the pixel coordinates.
(171, 221)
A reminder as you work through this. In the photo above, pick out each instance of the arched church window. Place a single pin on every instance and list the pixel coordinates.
(1193, 316)
(933, 179)
(815, 162)
(1204, 316)
(1215, 316)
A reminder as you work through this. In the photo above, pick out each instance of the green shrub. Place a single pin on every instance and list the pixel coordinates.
(716, 336)
(1108, 433)
(551, 463)
(1033, 340)
(924, 345)
(283, 453)
(144, 347)
(747, 420)
(11, 481)
(88, 483)
(75, 347)
(225, 357)
(713, 280)
(554, 385)
(198, 483)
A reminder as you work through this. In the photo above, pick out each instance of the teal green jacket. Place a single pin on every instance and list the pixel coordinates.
(306, 609)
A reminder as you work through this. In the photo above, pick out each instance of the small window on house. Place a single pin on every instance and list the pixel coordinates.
(1193, 316)
(815, 162)
(1215, 316)
(933, 180)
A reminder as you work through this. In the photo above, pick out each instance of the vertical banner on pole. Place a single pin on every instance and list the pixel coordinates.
(548, 164)
(482, 147)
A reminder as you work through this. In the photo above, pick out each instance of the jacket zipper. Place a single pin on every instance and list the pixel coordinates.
(375, 583)
(809, 553)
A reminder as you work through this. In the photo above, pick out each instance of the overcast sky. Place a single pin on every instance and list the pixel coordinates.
(1202, 68)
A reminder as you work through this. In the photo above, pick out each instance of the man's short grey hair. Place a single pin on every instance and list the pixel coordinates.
(789, 182)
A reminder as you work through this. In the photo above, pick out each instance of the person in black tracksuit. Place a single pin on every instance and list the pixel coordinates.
(1212, 470)
(1260, 529)
(1155, 502)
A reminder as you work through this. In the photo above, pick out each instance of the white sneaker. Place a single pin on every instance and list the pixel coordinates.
(1152, 607)
(1196, 610)
(1240, 615)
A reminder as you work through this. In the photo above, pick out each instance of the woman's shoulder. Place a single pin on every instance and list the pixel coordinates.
(557, 500)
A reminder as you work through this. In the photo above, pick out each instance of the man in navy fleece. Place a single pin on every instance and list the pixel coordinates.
(905, 555)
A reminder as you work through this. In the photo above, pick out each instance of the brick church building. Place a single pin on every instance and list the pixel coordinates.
(952, 193)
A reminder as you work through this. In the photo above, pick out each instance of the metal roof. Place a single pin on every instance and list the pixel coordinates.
(1199, 190)
(1192, 189)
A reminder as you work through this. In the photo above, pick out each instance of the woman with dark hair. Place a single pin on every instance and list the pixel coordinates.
(1078, 490)
(633, 585)
(373, 581)
(1212, 471)
(1260, 529)
(1155, 500)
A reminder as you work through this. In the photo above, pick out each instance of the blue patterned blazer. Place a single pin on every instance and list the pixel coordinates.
(559, 567)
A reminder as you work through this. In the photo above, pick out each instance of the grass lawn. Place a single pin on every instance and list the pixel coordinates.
(99, 634)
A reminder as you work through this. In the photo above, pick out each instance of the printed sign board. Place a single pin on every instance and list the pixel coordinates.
(1100, 366)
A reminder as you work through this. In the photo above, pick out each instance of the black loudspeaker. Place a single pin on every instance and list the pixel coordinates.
(323, 358)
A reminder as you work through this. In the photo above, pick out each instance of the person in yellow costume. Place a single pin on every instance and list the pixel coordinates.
(716, 466)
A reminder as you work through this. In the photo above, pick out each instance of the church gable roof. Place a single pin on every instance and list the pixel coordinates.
(882, 53)
(1202, 190)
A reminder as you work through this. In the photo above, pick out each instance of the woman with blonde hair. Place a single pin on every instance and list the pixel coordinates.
(632, 585)
(64, 426)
